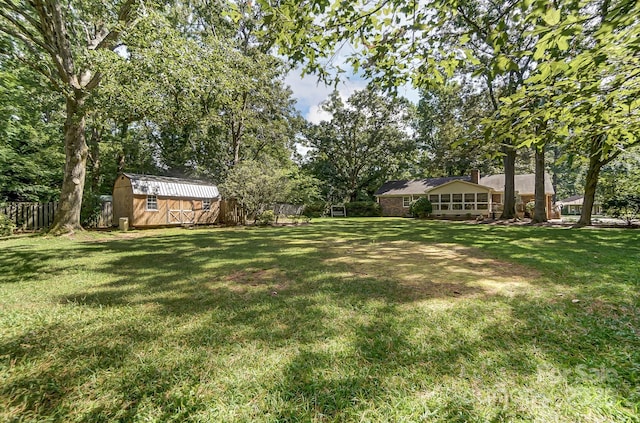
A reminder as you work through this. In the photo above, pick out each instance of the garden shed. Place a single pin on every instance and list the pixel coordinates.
(148, 200)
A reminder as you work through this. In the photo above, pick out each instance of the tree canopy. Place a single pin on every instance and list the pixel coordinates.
(366, 142)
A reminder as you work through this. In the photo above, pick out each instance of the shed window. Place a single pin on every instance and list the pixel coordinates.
(152, 202)
(206, 204)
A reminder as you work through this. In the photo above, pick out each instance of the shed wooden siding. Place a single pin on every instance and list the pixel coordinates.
(168, 207)
(171, 210)
(122, 199)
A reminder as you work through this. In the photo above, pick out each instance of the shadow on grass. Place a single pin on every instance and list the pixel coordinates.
(205, 293)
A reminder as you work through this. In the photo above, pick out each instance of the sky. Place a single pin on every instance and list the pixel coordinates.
(310, 93)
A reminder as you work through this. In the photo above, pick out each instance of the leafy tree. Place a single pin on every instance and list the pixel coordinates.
(588, 75)
(625, 207)
(619, 188)
(255, 186)
(58, 39)
(30, 152)
(205, 103)
(424, 42)
(365, 142)
(449, 132)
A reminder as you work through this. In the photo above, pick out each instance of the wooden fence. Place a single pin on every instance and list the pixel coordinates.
(30, 216)
(36, 216)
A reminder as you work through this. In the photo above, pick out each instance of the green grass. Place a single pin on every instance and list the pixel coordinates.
(340, 320)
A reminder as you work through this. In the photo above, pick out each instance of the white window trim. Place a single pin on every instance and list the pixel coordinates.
(404, 203)
(206, 207)
(147, 203)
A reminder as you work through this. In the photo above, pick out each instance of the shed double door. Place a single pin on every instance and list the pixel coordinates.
(181, 211)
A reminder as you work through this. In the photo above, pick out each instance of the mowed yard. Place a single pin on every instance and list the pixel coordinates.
(383, 320)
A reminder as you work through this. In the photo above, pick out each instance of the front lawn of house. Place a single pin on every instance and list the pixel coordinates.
(339, 320)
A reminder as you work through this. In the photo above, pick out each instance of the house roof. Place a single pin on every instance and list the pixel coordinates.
(415, 186)
(574, 200)
(524, 184)
(165, 186)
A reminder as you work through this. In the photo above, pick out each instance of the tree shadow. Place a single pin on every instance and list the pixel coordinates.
(204, 292)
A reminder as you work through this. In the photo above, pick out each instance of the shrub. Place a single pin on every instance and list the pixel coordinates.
(625, 207)
(363, 209)
(91, 210)
(317, 209)
(421, 208)
(6, 225)
(267, 217)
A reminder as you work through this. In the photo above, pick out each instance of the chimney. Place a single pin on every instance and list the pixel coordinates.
(475, 176)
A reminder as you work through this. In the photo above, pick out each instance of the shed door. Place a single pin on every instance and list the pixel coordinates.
(180, 211)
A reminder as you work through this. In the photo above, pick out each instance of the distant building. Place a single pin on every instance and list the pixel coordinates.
(460, 196)
(160, 201)
(573, 205)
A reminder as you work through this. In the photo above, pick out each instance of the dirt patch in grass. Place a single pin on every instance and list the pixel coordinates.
(436, 270)
(245, 280)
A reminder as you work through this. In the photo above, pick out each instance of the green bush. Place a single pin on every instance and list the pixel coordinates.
(6, 225)
(421, 208)
(363, 209)
(625, 207)
(267, 217)
(91, 210)
(317, 209)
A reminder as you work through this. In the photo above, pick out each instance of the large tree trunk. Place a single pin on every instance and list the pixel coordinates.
(540, 210)
(68, 214)
(509, 201)
(595, 164)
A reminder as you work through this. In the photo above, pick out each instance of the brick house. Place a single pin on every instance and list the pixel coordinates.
(460, 196)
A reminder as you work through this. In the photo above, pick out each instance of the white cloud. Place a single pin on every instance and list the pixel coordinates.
(316, 114)
(310, 93)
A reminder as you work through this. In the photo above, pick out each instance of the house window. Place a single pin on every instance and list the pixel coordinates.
(470, 198)
(152, 202)
(456, 198)
(483, 201)
(445, 198)
(406, 201)
(206, 204)
(434, 198)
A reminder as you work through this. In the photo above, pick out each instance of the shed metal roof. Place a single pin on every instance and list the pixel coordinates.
(164, 186)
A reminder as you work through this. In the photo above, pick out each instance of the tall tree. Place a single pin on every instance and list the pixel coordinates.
(365, 142)
(450, 131)
(57, 39)
(424, 42)
(589, 73)
(30, 151)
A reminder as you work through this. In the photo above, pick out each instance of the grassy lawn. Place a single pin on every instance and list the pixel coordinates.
(340, 320)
